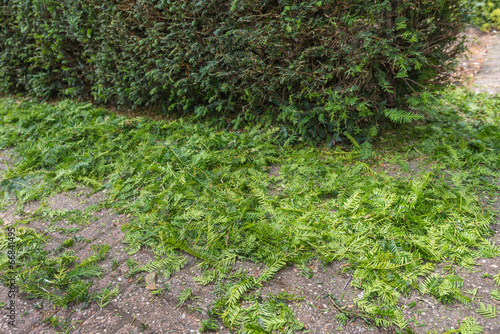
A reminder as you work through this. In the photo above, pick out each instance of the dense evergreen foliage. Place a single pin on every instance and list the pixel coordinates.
(317, 67)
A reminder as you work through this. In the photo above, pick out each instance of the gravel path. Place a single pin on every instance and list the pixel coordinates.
(488, 78)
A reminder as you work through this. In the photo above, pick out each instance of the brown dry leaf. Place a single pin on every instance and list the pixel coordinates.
(151, 281)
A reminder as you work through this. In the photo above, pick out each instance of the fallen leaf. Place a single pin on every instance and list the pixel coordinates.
(151, 281)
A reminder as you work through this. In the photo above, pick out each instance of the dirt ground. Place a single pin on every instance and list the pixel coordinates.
(137, 310)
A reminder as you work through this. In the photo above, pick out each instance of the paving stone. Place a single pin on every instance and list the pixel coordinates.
(488, 78)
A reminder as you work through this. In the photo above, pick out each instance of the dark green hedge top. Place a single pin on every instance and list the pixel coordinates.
(318, 67)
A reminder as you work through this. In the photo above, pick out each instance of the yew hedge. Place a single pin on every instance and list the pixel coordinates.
(317, 68)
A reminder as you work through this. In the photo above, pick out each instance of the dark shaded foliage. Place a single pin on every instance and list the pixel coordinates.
(317, 67)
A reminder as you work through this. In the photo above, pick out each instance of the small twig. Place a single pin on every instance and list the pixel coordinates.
(335, 304)
(345, 286)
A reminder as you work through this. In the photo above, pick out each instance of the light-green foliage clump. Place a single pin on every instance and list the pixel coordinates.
(485, 14)
(211, 194)
(58, 278)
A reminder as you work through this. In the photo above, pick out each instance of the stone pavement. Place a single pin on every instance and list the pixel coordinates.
(488, 78)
